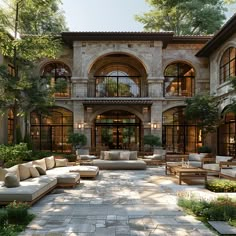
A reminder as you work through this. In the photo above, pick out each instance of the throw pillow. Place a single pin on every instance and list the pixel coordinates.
(133, 155)
(34, 172)
(24, 172)
(3, 173)
(41, 163)
(40, 170)
(50, 162)
(11, 180)
(114, 156)
(106, 155)
(61, 162)
(102, 155)
(124, 155)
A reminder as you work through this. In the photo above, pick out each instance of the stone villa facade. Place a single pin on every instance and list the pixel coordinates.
(120, 86)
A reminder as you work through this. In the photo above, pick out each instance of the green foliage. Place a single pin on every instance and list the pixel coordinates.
(203, 111)
(204, 149)
(3, 217)
(71, 157)
(184, 17)
(77, 140)
(14, 154)
(221, 209)
(221, 185)
(152, 140)
(41, 154)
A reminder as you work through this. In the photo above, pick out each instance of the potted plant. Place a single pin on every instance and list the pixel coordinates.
(78, 140)
(152, 141)
(204, 149)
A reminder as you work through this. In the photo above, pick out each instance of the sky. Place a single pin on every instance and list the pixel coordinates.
(103, 15)
(106, 15)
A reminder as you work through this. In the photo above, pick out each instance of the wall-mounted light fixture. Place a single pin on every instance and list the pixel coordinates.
(156, 125)
(80, 125)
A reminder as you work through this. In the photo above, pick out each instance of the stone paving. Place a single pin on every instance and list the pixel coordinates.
(118, 203)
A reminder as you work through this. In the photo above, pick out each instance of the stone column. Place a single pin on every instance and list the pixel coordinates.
(156, 118)
(155, 75)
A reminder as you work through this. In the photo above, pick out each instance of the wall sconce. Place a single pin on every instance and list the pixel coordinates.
(156, 125)
(80, 125)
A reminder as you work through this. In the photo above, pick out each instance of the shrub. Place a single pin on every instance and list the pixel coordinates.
(3, 217)
(41, 154)
(221, 185)
(71, 157)
(14, 154)
(221, 209)
(204, 149)
(17, 212)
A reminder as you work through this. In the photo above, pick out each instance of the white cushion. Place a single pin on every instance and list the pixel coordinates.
(50, 162)
(124, 155)
(61, 162)
(222, 158)
(211, 166)
(24, 172)
(34, 172)
(196, 156)
(229, 172)
(41, 163)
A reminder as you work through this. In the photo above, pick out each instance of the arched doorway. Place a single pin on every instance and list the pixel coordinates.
(49, 131)
(179, 135)
(118, 130)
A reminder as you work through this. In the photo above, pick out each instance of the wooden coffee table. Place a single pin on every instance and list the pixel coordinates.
(186, 173)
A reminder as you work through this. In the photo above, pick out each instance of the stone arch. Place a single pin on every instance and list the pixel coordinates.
(173, 105)
(107, 52)
(122, 108)
(43, 63)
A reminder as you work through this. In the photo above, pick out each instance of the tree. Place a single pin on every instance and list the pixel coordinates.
(184, 17)
(203, 111)
(77, 140)
(23, 52)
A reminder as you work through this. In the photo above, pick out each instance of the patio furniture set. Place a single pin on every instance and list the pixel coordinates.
(28, 182)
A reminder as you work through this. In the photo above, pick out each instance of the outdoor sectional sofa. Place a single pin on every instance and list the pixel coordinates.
(119, 160)
(30, 181)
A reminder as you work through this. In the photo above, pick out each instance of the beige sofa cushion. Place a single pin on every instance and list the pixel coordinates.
(11, 180)
(3, 173)
(114, 156)
(61, 162)
(34, 172)
(124, 155)
(40, 170)
(41, 163)
(133, 155)
(50, 162)
(13, 169)
(24, 172)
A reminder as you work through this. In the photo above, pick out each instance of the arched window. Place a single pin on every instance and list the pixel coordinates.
(179, 80)
(228, 64)
(50, 131)
(59, 75)
(117, 81)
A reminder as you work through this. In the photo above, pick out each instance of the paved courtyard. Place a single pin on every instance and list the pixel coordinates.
(118, 203)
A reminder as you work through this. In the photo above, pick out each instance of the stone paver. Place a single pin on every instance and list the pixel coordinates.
(118, 203)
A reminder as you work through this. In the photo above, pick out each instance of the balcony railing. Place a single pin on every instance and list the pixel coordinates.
(117, 86)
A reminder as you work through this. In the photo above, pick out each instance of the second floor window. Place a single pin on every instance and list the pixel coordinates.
(59, 75)
(228, 64)
(117, 84)
(179, 80)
